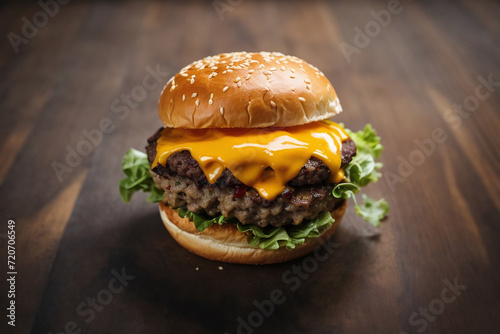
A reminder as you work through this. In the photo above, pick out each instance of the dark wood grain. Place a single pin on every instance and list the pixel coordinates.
(72, 234)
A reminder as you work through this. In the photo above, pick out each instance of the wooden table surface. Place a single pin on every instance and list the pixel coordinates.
(74, 235)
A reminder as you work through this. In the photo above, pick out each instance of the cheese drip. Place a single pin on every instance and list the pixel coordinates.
(248, 153)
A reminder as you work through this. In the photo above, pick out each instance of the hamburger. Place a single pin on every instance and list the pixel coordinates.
(247, 168)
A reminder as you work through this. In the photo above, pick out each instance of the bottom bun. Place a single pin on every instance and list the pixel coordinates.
(227, 244)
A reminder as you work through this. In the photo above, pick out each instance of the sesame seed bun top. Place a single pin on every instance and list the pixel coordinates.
(247, 90)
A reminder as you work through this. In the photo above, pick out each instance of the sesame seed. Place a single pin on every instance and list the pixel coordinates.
(184, 74)
(251, 71)
(229, 70)
(273, 104)
(210, 102)
(239, 84)
(283, 68)
(183, 97)
(225, 88)
(248, 77)
(212, 95)
(292, 88)
(192, 81)
(267, 88)
(302, 99)
(292, 76)
(198, 102)
(220, 267)
(221, 110)
(194, 95)
(237, 79)
(307, 81)
(273, 69)
(293, 70)
(307, 87)
(172, 88)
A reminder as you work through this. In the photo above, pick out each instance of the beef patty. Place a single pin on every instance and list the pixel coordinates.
(314, 170)
(305, 197)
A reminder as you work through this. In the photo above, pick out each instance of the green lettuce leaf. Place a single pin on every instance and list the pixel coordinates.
(373, 211)
(268, 237)
(366, 141)
(271, 237)
(362, 170)
(136, 167)
(345, 190)
(201, 222)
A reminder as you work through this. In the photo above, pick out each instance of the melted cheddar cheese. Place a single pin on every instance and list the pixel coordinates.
(248, 153)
